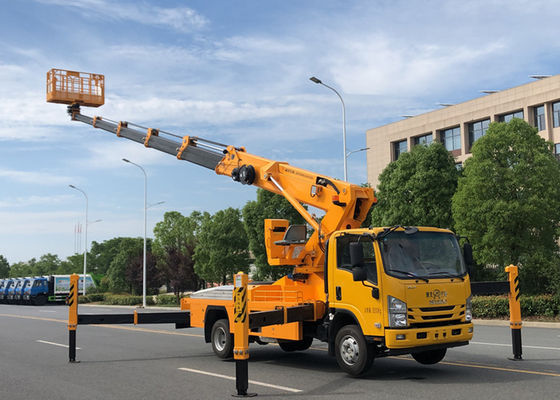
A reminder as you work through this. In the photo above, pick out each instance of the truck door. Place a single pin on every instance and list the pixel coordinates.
(356, 297)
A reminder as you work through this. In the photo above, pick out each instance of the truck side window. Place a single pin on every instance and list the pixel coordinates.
(343, 255)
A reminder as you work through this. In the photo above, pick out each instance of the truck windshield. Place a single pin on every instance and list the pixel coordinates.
(428, 255)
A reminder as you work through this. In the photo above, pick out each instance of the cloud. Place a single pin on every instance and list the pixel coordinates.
(381, 65)
(34, 177)
(182, 19)
(19, 202)
(109, 155)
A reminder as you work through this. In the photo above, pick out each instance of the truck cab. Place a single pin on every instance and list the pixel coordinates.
(4, 290)
(396, 291)
(37, 292)
(10, 294)
(18, 291)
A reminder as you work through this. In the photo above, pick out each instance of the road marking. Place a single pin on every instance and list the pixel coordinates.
(55, 344)
(126, 328)
(521, 371)
(509, 345)
(482, 366)
(37, 318)
(47, 311)
(231, 378)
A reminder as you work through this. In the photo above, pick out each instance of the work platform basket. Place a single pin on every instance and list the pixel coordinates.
(71, 87)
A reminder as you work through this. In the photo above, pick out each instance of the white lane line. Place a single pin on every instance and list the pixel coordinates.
(231, 378)
(49, 311)
(55, 344)
(524, 346)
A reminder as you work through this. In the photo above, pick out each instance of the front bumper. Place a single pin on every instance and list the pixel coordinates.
(418, 337)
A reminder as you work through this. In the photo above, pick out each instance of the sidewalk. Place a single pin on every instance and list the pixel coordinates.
(526, 324)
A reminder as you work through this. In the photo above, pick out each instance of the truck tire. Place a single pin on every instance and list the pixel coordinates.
(353, 354)
(296, 345)
(40, 300)
(429, 357)
(221, 339)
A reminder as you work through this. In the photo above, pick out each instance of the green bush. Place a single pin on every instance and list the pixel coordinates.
(166, 300)
(126, 300)
(531, 306)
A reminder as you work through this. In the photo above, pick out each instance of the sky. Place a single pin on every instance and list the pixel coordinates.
(235, 72)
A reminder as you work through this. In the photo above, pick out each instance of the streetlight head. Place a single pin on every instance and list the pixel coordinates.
(125, 160)
(313, 79)
(72, 186)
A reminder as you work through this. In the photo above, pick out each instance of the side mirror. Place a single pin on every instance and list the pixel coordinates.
(467, 254)
(356, 254)
(359, 274)
(468, 257)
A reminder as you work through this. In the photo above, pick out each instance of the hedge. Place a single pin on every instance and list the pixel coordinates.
(128, 300)
(531, 306)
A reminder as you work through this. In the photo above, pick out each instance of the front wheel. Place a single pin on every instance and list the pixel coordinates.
(429, 357)
(353, 353)
(222, 340)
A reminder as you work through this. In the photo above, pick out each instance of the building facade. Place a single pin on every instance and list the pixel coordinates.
(458, 126)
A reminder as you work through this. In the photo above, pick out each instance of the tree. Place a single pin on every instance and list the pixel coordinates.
(4, 267)
(508, 203)
(134, 272)
(129, 248)
(101, 255)
(267, 205)
(173, 246)
(46, 265)
(417, 189)
(21, 269)
(222, 246)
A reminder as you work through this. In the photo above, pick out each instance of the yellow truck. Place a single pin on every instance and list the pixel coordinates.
(367, 292)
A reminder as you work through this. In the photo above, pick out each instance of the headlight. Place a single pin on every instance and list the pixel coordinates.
(468, 309)
(397, 312)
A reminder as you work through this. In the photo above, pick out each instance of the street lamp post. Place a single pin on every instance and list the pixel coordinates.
(318, 81)
(86, 242)
(356, 151)
(145, 229)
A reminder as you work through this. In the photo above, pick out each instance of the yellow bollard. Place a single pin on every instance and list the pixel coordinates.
(241, 334)
(72, 317)
(514, 311)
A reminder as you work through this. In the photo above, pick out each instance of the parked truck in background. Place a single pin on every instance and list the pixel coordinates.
(367, 292)
(40, 290)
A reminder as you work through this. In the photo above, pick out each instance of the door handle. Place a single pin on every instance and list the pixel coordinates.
(338, 293)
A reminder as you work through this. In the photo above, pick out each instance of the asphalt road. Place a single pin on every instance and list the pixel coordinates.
(159, 362)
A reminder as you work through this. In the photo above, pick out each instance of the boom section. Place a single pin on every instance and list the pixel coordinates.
(345, 205)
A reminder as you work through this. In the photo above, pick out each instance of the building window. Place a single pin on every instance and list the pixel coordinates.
(556, 114)
(477, 130)
(510, 116)
(451, 138)
(539, 117)
(557, 151)
(398, 149)
(424, 139)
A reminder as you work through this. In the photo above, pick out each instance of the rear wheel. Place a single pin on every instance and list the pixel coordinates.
(222, 339)
(40, 300)
(353, 353)
(296, 345)
(429, 357)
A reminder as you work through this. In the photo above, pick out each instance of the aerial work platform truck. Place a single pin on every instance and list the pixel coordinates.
(367, 292)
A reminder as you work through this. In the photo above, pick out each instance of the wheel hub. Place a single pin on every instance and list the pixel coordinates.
(220, 339)
(349, 350)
